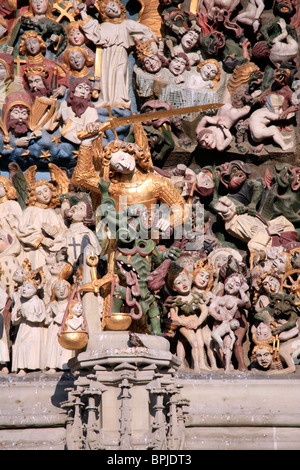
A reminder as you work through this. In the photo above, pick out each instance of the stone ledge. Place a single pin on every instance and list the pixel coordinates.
(235, 411)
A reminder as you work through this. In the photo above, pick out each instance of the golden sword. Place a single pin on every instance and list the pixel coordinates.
(113, 122)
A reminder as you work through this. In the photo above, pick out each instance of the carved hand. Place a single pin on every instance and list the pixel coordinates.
(47, 242)
(51, 231)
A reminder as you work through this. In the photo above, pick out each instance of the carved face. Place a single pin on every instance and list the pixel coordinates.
(271, 284)
(152, 63)
(182, 284)
(189, 40)
(61, 290)
(122, 162)
(264, 357)
(281, 76)
(28, 290)
(82, 90)
(284, 8)
(237, 178)
(213, 42)
(76, 38)
(76, 60)
(208, 140)
(285, 175)
(39, 7)
(263, 331)
(113, 10)
(152, 106)
(279, 264)
(177, 66)
(18, 275)
(35, 83)
(202, 279)
(78, 212)
(204, 180)
(43, 194)
(77, 309)
(283, 304)
(208, 71)
(220, 260)
(233, 285)
(32, 46)
(19, 113)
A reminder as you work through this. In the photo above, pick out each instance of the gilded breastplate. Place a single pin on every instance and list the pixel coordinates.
(143, 191)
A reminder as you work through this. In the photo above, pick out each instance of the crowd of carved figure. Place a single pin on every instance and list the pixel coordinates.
(209, 256)
(227, 300)
(62, 64)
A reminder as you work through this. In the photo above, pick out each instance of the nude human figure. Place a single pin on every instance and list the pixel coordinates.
(284, 46)
(260, 123)
(250, 16)
(213, 132)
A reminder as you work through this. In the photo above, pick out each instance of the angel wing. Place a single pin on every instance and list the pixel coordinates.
(20, 183)
(59, 178)
(141, 139)
(30, 174)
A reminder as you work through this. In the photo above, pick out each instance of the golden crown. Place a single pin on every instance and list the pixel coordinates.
(36, 70)
(143, 49)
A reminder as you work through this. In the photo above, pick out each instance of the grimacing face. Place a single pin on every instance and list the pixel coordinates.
(182, 283)
(152, 63)
(82, 90)
(177, 66)
(264, 357)
(189, 40)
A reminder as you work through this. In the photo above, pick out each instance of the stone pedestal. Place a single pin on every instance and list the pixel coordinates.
(125, 397)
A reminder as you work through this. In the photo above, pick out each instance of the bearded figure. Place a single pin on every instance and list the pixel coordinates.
(36, 83)
(78, 111)
(15, 116)
(33, 48)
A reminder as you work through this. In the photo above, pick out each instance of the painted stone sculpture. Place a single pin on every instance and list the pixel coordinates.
(93, 132)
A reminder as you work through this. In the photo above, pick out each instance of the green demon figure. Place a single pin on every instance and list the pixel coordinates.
(135, 257)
